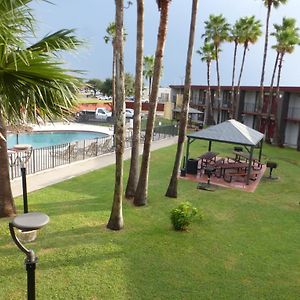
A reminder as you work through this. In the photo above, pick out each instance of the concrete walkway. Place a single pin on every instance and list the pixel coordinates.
(46, 178)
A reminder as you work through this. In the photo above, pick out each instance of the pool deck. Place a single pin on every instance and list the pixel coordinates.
(49, 177)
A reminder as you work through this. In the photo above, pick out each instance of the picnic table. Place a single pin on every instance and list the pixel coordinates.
(239, 155)
(236, 167)
(207, 158)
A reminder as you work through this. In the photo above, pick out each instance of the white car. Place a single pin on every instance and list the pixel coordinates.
(129, 113)
(102, 113)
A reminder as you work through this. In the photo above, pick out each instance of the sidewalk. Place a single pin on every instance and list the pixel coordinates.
(45, 178)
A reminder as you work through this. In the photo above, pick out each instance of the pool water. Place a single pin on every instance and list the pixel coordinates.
(45, 139)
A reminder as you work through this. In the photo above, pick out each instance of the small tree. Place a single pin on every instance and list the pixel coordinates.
(95, 85)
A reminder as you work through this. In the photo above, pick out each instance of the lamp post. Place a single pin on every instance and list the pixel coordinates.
(28, 222)
(23, 154)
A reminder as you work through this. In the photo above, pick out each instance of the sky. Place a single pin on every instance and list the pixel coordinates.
(91, 17)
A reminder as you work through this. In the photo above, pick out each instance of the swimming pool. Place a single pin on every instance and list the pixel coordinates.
(50, 138)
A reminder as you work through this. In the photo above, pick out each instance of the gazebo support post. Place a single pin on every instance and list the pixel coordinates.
(260, 150)
(187, 153)
(249, 166)
(209, 146)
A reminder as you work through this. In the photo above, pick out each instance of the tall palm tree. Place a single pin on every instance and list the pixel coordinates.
(207, 53)
(251, 31)
(270, 102)
(116, 217)
(141, 194)
(149, 69)
(31, 80)
(287, 37)
(172, 188)
(216, 31)
(234, 36)
(134, 161)
(268, 4)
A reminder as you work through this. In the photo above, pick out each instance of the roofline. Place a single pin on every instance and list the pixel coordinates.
(222, 141)
(290, 89)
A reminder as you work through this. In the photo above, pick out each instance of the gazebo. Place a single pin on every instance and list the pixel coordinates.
(230, 131)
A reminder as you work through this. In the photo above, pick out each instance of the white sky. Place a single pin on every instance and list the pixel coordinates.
(91, 17)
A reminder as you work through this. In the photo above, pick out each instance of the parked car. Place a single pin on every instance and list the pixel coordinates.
(129, 113)
(102, 113)
(84, 115)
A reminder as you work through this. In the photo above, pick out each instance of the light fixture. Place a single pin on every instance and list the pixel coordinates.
(28, 222)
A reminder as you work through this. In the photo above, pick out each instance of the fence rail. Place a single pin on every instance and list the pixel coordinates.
(54, 156)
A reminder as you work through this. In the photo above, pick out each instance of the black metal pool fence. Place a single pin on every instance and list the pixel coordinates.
(53, 156)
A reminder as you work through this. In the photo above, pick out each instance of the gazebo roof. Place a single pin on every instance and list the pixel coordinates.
(190, 111)
(230, 131)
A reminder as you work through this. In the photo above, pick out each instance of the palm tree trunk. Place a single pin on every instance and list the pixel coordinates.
(219, 84)
(150, 84)
(134, 162)
(278, 137)
(242, 66)
(141, 194)
(172, 188)
(238, 89)
(113, 82)
(7, 205)
(270, 104)
(116, 217)
(232, 105)
(208, 104)
(261, 95)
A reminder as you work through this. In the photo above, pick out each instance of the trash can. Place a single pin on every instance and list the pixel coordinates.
(192, 166)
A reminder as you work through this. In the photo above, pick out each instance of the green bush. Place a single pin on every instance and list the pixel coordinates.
(182, 215)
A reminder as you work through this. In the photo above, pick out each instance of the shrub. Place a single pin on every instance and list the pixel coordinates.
(182, 215)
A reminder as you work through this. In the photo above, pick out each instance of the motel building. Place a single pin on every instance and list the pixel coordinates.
(287, 108)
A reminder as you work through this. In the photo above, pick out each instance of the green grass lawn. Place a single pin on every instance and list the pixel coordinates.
(246, 247)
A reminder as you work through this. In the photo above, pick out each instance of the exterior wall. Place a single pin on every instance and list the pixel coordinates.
(288, 107)
(294, 106)
(250, 100)
(164, 94)
(168, 110)
(291, 134)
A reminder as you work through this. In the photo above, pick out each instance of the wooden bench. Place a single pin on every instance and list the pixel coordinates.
(242, 173)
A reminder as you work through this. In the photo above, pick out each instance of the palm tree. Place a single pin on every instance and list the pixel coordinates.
(110, 37)
(140, 197)
(251, 31)
(31, 81)
(216, 30)
(235, 37)
(134, 162)
(269, 4)
(148, 69)
(287, 37)
(172, 188)
(207, 53)
(116, 217)
(270, 103)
